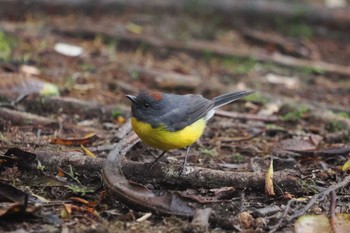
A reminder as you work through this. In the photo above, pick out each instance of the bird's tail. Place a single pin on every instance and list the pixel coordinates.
(229, 97)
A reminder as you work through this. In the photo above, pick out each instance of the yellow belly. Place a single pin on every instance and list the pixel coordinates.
(166, 140)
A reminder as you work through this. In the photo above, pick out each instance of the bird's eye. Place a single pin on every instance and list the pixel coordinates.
(146, 105)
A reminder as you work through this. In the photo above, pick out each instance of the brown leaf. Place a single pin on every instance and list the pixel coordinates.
(85, 202)
(296, 144)
(70, 208)
(19, 202)
(10, 193)
(17, 156)
(88, 139)
(16, 209)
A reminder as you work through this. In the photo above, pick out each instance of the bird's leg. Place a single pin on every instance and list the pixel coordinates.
(185, 160)
(156, 160)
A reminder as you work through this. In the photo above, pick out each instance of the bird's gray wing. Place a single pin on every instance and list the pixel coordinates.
(186, 110)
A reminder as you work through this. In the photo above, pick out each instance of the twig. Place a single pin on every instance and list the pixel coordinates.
(320, 197)
(333, 218)
(282, 218)
(22, 118)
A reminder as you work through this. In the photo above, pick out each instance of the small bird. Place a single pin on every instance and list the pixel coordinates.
(169, 121)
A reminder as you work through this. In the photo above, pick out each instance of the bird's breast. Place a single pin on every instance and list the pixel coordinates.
(163, 139)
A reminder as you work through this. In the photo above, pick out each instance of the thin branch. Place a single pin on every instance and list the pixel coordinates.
(333, 218)
(319, 197)
(282, 218)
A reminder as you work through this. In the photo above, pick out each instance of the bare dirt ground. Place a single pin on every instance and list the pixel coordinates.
(299, 118)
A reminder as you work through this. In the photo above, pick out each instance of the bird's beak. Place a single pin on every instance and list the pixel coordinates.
(131, 97)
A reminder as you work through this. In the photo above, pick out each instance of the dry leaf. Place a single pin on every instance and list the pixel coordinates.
(346, 166)
(87, 139)
(322, 224)
(269, 190)
(68, 49)
(88, 152)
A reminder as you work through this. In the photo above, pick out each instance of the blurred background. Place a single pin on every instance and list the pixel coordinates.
(101, 50)
(66, 66)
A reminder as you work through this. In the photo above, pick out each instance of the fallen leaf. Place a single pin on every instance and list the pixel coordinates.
(346, 166)
(60, 172)
(83, 201)
(13, 85)
(29, 70)
(80, 200)
(17, 156)
(322, 224)
(47, 181)
(16, 209)
(134, 28)
(269, 190)
(66, 211)
(88, 139)
(10, 193)
(288, 82)
(16, 202)
(68, 49)
(287, 196)
(295, 145)
(88, 152)
(70, 208)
